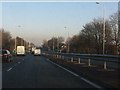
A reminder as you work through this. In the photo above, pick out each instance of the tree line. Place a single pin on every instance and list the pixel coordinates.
(90, 39)
(8, 42)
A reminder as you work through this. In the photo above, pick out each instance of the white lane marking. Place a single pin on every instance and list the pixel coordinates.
(91, 83)
(9, 69)
(13, 66)
(64, 68)
(87, 81)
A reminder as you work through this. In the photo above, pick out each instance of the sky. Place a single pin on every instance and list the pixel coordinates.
(38, 21)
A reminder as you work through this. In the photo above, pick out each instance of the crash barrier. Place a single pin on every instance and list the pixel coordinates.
(107, 61)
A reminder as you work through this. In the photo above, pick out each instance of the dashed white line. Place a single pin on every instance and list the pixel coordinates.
(87, 81)
(13, 66)
(9, 69)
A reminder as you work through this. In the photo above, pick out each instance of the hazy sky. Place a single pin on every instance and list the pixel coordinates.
(43, 20)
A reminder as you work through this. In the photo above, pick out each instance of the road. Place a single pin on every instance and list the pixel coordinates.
(39, 72)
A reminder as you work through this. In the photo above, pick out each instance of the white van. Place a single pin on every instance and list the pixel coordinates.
(37, 52)
(20, 50)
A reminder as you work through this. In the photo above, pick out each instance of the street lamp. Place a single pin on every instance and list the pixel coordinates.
(53, 44)
(15, 43)
(103, 45)
(68, 49)
(20, 38)
(57, 44)
(16, 39)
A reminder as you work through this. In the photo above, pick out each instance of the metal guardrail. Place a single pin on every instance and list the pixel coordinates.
(106, 60)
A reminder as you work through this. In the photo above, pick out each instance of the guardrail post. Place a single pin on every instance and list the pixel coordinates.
(89, 62)
(79, 60)
(71, 59)
(105, 65)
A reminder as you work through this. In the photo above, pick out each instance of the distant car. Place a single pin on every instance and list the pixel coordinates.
(6, 55)
(37, 52)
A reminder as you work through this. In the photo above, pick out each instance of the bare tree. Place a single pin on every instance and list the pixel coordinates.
(90, 38)
(74, 43)
(114, 27)
(53, 43)
(6, 38)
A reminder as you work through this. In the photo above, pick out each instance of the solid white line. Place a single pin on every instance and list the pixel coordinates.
(9, 69)
(91, 83)
(87, 81)
(65, 69)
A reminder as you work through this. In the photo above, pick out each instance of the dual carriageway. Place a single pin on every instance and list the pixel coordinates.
(42, 72)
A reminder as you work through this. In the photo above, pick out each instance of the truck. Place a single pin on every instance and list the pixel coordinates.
(20, 50)
(37, 52)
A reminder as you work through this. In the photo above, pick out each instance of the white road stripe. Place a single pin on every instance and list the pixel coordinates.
(64, 69)
(9, 69)
(91, 83)
(87, 81)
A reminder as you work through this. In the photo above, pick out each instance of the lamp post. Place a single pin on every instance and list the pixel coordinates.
(103, 45)
(16, 39)
(57, 44)
(21, 42)
(15, 43)
(53, 44)
(68, 47)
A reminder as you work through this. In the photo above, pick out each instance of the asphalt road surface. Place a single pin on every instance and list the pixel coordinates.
(39, 72)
